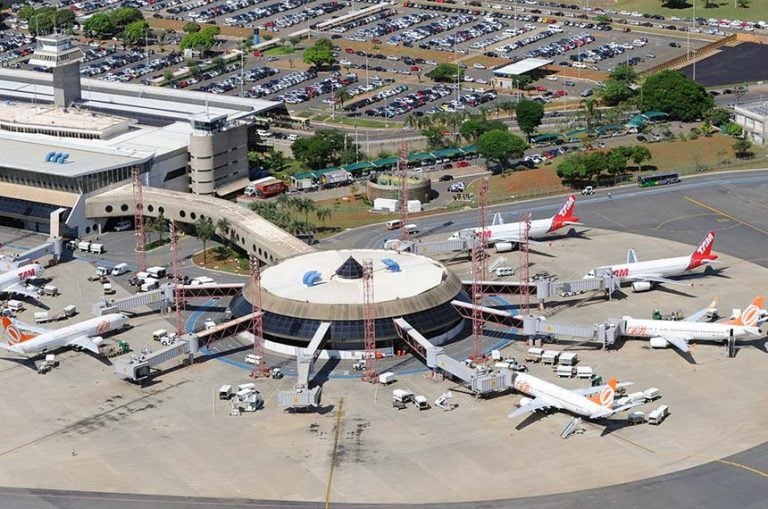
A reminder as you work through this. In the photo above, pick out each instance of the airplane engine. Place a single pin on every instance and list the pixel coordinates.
(641, 286)
(659, 342)
(503, 247)
(525, 401)
(97, 340)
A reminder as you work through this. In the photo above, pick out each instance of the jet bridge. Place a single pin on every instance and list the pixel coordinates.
(605, 333)
(479, 381)
(302, 396)
(163, 297)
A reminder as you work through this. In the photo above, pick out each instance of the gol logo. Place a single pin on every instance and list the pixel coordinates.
(750, 315)
(14, 335)
(606, 396)
(102, 327)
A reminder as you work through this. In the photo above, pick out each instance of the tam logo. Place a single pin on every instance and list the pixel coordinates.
(704, 247)
(27, 273)
(621, 272)
(566, 206)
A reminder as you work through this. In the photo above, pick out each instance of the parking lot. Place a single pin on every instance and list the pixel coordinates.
(383, 58)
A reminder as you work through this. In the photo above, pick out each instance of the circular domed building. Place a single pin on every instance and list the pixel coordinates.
(327, 286)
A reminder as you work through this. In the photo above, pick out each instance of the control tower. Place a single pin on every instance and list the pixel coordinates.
(63, 57)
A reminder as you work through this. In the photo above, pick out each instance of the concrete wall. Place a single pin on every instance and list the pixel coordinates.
(217, 158)
(421, 191)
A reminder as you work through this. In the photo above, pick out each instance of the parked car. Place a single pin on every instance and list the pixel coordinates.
(462, 164)
(445, 178)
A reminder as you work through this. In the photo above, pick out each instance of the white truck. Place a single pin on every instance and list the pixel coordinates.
(50, 290)
(150, 284)
(658, 415)
(42, 317)
(84, 245)
(568, 359)
(226, 392)
(157, 272)
(387, 378)
(534, 354)
(402, 395)
(253, 359)
(202, 281)
(421, 402)
(550, 357)
(96, 248)
(565, 371)
(119, 269)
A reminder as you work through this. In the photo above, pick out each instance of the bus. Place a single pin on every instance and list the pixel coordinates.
(658, 179)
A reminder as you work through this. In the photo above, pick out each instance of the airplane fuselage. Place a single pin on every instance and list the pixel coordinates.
(643, 328)
(503, 232)
(567, 400)
(664, 267)
(19, 276)
(59, 338)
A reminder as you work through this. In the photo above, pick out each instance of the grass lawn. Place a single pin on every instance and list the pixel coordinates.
(279, 50)
(702, 154)
(365, 122)
(220, 258)
(757, 10)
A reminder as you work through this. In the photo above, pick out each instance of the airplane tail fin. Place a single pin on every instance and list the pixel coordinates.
(703, 253)
(14, 335)
(632, 256)
(564, 216)
(605, 396)
(750, 316)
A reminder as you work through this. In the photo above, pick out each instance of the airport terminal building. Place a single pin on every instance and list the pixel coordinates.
(65, 139)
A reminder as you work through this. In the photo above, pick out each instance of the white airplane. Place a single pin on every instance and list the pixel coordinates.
(679, 333)
(643, 275)
(27, 339)
(592, 402)
(15, 281)
(515, 232)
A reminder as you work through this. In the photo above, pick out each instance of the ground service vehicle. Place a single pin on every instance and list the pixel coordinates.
(119, 269)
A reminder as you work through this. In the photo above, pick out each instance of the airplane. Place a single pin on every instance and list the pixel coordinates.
(592, 402)
(29, 340)
(679, 333)
(14, 281)
(515, 232)
(643, 275)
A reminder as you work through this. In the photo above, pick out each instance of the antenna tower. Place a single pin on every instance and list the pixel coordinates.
(525, 281)
(369, 317)
(479, 271)
(261, 368)
(138, 207)
(402, 167)
(178, 294)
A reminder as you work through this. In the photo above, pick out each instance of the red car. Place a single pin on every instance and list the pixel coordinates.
(376, 41)
(349, 50)
(560, 93)
(462, 164)
(541, 88)
(258, 53)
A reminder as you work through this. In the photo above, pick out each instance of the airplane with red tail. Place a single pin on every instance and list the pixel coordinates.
(515, 232)
(643, 275)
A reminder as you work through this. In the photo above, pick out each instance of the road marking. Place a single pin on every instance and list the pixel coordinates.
(688, 216)
(339, 417)
(744, 467)
(725, 214)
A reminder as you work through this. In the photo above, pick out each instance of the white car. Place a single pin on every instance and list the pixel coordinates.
(469, 78)
(552, 78)
(122, 226)
(478, 66)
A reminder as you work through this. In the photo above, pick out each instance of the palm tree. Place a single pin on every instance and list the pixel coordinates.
(204, 230)
(162, 37)
(305, 206)
(276, 162)
(411, 121)
(323, 214)
(341, 95)
(224, 229)
(589, 105)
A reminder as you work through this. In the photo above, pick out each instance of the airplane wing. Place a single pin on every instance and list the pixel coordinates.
(678, 341)
(589, 391)
(26, 327)
(20, 289)
(654, 278)
(701, 313)
(84, 342)
(536, 404)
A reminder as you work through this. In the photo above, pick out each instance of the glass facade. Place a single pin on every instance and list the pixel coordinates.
(80, 185)
(348, 335)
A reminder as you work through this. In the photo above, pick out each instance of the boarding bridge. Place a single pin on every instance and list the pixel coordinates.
(489, 314)
(51, 247)
(302, 396)
(605, 333)
(433, 248)
(163, 297)
(136, 368)
(479, 382)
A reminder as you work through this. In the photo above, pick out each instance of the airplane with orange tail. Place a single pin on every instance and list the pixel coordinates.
(28, 339)
(679, 333)
(592, 402)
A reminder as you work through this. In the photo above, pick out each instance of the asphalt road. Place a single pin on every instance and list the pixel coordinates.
(732, 204)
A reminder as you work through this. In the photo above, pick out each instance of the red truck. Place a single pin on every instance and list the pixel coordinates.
(271, 189)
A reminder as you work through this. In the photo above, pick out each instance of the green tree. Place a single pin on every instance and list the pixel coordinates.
(675, 4)
(135, 32)
(603, 19)
(224, 229)
(616, 161)
(200, 41)
(162, 38)
(218, 62)
(294, 41)
(529, 115)
(434, 136)
(743, 3)
(679, 97)
(446, 73)
(595, 163)
(615, 92)
(475, 126)
(125, 15)
(158, 225)
(734, 129)
(168, 76)
(572, 169)
(718, 116)
(99, 25)
(64, 18)
(497, 145)
(26, 13)
(326, 147)
(321, 54)
(342, 94)
(191, 27)
(639, 155)
(590, 106)
(742, 148)
(204, 230)
(624, 73)
(276, 162)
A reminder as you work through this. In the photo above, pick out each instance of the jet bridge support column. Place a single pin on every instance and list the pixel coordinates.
(302, 396)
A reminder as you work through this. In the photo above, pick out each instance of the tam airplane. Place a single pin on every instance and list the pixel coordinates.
(679, 333)
(503, 235)
(26, 339)
(592, 402)
(15, 281)
(643, 275)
